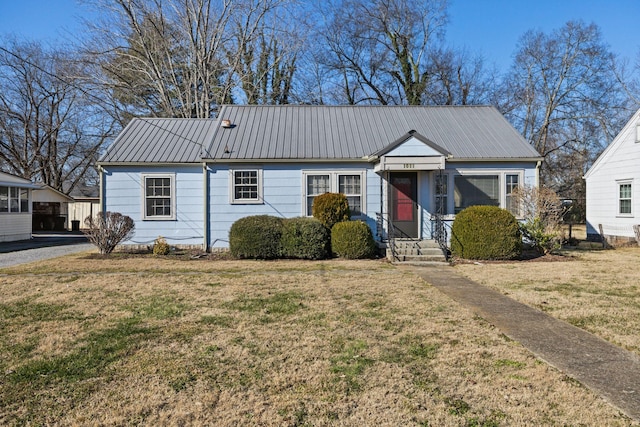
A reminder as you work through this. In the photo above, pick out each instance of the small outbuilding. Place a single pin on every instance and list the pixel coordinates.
(50, 209)
(15, 207)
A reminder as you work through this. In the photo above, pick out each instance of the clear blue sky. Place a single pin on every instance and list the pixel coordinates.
(489, 27)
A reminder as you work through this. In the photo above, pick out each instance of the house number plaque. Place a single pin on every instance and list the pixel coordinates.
(409, 166)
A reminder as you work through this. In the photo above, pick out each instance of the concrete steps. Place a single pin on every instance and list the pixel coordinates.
(421, 251)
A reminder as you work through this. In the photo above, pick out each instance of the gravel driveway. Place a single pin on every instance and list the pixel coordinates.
(42, 246)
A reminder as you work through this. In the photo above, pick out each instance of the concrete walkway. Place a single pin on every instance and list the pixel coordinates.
(606, 369)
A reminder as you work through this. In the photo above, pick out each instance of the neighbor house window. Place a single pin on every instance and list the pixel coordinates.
(511, 204)
(471, 190)
(624, 198)
(246, 186)
(14, 199)
(349, 184)
(159, 196)
(442, 193)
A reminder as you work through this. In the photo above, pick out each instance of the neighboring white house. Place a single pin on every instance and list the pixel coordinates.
(15, 207)
(402, 168)
(613, 187)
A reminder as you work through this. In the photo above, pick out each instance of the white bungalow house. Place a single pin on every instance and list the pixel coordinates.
(15, 207)
(402, 168)
(613, 188)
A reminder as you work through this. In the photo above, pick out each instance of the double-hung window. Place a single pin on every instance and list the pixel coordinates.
(511, 203)
(316, 185)
(624, 198)
(349, 184)
(246, 186)
(159, 196)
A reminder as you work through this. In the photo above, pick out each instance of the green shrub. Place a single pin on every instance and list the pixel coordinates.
(485, 232)
(256, 237)
(161, 247)
(331, 208)
(305, 238)
(352, 240)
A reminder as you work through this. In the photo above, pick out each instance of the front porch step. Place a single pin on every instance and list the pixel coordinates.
(417, 251)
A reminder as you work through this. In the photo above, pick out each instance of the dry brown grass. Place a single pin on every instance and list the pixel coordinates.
(154, 341)
(597, 290)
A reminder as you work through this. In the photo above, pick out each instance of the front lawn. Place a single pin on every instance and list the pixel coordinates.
(157, 341)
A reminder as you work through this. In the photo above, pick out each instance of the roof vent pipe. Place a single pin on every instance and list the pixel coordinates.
(225, 123)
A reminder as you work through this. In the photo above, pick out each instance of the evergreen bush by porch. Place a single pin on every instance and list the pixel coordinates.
(305, 238)
(331, 208)
(352, 240)
(256, 237)
(485, 232)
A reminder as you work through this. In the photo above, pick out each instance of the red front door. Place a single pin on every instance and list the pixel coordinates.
(403, 200)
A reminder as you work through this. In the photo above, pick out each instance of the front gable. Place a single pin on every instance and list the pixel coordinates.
(412, 151)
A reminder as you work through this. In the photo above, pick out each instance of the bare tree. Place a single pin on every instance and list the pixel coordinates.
(562, 95)
(163, 57)
(265, 44)
(52, 125)
(183, 58)
(379, 49)
(458, 78)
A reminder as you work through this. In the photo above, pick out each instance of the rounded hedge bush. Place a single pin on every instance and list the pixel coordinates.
(352, 240)
(331, 208)
(305, 238)
(256, 237)
(485, 232)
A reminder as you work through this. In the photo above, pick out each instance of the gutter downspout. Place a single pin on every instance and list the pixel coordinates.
(205, 190)
(102, 201)
(538, 164)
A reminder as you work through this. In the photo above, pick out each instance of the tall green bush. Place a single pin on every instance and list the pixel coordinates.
(256, 237)
(305, 238)
(331, 208)
(486, 232)
(352, 240)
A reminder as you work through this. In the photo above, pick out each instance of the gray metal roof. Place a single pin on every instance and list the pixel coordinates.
(152, 140)
(353, 132)
(306, 132)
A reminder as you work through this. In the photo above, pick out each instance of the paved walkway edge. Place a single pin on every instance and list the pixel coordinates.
(606, 369)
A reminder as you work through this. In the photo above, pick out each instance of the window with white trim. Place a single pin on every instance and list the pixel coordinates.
(159, 196)
(624, 198)
(471, 190)
(511, 183)
(350, 184)
(246, 186)
(14, 199)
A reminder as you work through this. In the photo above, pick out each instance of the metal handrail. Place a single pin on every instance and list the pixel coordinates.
(392, 234)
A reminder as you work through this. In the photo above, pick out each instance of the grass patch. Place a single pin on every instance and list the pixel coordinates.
(163, 340)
